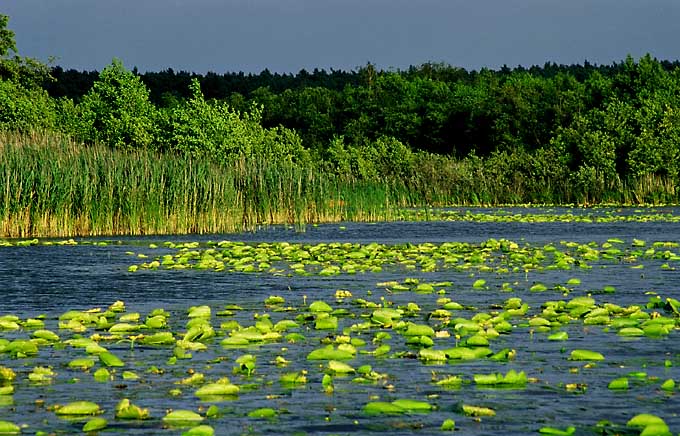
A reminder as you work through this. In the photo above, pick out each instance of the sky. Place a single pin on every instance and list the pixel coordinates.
(286, 36)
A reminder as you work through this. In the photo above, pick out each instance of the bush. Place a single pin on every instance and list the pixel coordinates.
(386, 157)
(197, 127)
(23, 109)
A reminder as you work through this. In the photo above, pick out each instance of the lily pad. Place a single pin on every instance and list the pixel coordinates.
(200, 430)
(263, 413)
(95, 424)
(569, 431)
(382, 408)
(110, 359)
(586, 355)
(330, 353)
(413, 405)
(79, 408)
(126, 410)
(7, 427)
(477, 410)
(217, 390)
(182, 418)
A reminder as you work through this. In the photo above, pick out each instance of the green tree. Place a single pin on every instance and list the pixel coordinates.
(656, 149)
(203, 128)
(24, 106)
(117, 110)
(25, 109)
(7, 43)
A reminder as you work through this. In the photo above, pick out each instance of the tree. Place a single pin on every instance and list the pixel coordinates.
(29, 73)
(198, 127)
(24, 106)
(7, 43)
(117, 110)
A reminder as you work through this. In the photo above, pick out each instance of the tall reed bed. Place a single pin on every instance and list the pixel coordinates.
(52, 186)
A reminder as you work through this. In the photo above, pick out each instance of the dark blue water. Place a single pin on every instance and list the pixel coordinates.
(48, 280)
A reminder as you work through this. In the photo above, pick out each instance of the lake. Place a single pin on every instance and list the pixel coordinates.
(482, 265)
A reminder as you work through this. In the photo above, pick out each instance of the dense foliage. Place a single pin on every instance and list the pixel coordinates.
(556, 134)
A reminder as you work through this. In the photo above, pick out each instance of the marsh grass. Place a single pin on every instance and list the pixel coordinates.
(52, 186)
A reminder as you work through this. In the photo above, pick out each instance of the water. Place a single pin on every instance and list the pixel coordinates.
(48, 280)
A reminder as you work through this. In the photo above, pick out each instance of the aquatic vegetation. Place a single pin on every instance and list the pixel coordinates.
(95, 424)
(7, 427)
(557, 432)
(126, 410)
(440, 334)
(79, 408)
(179, 418)
(62, 189)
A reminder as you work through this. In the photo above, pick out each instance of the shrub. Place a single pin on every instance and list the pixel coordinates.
(201, 128)
(23, 109)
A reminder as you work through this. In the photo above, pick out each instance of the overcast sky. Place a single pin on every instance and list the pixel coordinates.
(288, 35)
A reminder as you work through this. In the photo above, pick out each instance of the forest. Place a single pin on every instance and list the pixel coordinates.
(432, 134)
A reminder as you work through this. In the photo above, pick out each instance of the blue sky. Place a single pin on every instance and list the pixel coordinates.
(288, 35)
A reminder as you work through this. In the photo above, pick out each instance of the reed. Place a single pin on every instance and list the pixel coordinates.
(55, 187)
(51, 186)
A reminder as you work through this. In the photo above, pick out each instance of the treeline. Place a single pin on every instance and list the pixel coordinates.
(592, 127)
(436, 134)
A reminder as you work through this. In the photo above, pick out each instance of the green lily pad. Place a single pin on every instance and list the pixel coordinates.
(182, 418)
(413, 405)
(320, 306)
(326, 323)
(217, 390)
(7, 374)
(263, 413)
(329, 353)
(126, 410)
(668, 385)
(478, 411)
(631, 331)
(586, 355)
(559, 336)
(82, 363)
(46, 335)
(95, 424)
(644, 420)
(656, 430)
(479, 284)
(448, 425)
(619, 383)
(110, 359)
(382, 408)
(569, 431)
(340, 367)
(160, 338)
(418, 330)
(102, 375)
(6, 390)
(200, 430)
(7, 427)
(431, 355)
(294, 378)
(79, 408)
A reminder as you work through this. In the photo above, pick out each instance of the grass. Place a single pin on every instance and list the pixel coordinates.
(51, 186)
(55, 187)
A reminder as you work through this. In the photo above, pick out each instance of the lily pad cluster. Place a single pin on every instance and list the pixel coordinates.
(545, 215)
(413, 350)
(330, 259)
